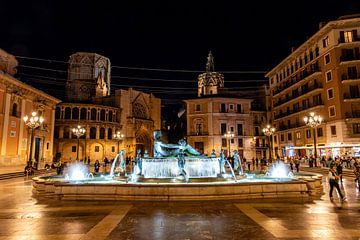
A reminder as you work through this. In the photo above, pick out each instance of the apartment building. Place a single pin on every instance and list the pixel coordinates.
(216, 112)
(321, 76)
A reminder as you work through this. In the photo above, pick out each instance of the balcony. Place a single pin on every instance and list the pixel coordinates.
(287, 127)
(348, 96)
(350, 57)
(300, 93)
(198, 134)
(287, 113)
(354, 39)
(353, 114)
(314, 68)
(350, 77)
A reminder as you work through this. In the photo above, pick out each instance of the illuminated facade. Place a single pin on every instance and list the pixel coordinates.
(89, 104)
(321, 76)
(17, 100)
(216, 112)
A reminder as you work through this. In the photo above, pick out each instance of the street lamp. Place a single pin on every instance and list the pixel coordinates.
(78, 132)
(313, 121)
(268, 131)
(228, 136)
(33, 122)
(119, 136)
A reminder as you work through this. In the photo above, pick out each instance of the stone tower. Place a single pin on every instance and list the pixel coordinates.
(88, 76)
(210, 81)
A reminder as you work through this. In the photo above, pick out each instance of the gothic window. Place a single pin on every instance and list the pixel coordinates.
(139, 111)
(67, 113)
(109, 133)
(102, 115)
(93, 133)
(110, 117)
(75, 113)
(102, 133)
(93, 114)
(83, 113)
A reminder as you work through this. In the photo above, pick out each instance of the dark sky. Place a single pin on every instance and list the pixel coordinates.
(243, 35)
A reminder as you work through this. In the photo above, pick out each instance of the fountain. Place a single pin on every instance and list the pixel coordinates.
(177, 172)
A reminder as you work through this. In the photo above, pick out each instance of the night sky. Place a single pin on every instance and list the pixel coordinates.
(242, 35)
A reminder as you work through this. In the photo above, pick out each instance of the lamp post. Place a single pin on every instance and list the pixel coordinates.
(313, 121)
(33, 122)
(119, 136)
(78, 132)
(268, 131)
(228, 136)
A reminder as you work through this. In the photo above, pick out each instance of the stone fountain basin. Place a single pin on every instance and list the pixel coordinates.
(306, 186)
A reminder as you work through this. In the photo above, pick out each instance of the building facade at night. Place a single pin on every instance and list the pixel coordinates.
(321, 76)
(216, 112)
(18, 100)
(89, 104)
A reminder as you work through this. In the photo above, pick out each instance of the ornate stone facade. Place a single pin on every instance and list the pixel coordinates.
(18, 99)
(88, 76)
(135, 114)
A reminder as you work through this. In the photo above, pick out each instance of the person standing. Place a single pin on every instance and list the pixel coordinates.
(297, 164)
(339, 169)
(334, 182)
(97, 166)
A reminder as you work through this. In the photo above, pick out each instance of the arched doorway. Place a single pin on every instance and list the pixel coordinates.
(144, 142)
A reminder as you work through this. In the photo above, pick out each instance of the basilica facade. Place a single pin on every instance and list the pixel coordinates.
(133, 115)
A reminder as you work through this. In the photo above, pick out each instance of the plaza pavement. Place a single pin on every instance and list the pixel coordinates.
(23, 216)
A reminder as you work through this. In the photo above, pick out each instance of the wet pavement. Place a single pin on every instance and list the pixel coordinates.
(24, 217)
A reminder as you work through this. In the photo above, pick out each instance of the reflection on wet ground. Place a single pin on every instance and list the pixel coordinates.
(25, 217)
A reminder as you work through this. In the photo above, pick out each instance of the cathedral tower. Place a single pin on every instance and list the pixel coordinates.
(88, 76)
(210, 82)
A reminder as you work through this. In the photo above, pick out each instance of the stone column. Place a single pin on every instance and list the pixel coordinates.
(52, 134)
(106, 133)
(21, 128)
(97, 132)
(6, 124)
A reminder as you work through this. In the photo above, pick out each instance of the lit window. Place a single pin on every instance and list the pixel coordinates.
(298, 135)
(348, 36)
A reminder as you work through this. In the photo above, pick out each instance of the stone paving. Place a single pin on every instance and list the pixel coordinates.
(25, 217)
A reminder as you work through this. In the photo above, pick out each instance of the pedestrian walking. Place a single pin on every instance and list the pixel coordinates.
(334, 182)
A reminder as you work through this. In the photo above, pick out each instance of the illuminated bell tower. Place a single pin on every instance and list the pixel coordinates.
(88, 77)
(210, 81)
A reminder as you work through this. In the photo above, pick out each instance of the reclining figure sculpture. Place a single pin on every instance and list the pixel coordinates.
(172, 150)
